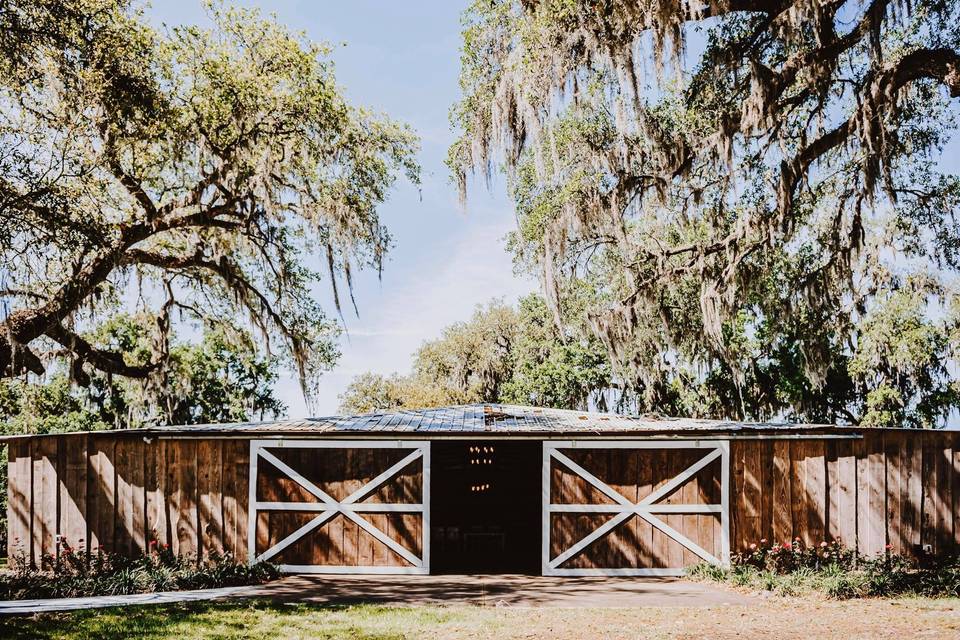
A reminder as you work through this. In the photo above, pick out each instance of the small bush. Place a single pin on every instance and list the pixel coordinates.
(790, 568)
(102, 573)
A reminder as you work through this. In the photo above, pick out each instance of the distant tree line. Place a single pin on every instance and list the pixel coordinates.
(501, 354)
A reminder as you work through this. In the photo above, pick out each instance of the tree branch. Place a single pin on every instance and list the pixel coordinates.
(108, 361)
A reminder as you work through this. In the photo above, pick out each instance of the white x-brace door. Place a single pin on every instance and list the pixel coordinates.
(350, 506)
(624, 508)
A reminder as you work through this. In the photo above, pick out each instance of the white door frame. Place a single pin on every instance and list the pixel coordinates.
(624, 508)
(349, 507)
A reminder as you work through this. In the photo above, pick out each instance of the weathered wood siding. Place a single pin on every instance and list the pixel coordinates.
(120, 493)
(897, 488)
(900, 488)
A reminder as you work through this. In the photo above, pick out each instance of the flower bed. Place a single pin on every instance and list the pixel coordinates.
(830, 568)
(103, 573)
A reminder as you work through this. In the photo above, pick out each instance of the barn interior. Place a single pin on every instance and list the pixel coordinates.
(485, 506)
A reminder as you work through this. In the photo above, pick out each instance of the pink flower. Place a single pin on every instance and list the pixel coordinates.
(823, 544)
(753, 547)
(763, 540)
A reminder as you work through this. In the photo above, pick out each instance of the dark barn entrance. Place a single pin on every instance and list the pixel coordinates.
(485, 506)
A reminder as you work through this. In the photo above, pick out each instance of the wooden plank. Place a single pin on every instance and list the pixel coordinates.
(846, 493)
(738, 536)
(766, 494)
(231, 484)
(911, 494)
(955, 484)
(155, 480)
(798, 481)
(45, 497)
(241, 463)
(209, 488)
(816, 491)
(878, 495)
(188, 525)
(236, 469)
(137, 480)
(944, 500)
(863, 496)
(832, 478)
(173, 487)
(73, 492)
(123, 533)
(782, 491)
(752, 478)
(99, 497)
(928, 515)
(19, 502)
(107, 488)
(892, 446)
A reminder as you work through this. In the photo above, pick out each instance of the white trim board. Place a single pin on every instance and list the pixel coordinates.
(623, 508)
(350, 507)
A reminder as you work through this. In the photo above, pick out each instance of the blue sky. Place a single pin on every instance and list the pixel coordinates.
(401, 58)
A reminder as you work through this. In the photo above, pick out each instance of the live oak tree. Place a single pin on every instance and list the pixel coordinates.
(749, 190)
(193, 173)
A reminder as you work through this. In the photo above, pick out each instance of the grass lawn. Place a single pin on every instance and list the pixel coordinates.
(774, 618)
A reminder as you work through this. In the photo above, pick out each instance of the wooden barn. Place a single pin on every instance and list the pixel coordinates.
(483, 488)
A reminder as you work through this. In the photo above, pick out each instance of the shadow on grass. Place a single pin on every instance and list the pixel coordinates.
(247, 619)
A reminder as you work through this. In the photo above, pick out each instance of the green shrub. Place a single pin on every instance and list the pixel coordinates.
(834, 570)
(102, 573)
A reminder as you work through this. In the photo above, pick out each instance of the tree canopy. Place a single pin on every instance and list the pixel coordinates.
(214, 379)
(502, 354)
(748, 192)
(193, 174)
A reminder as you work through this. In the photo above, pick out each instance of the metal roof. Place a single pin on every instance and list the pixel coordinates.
(478, 420)
(481, 418)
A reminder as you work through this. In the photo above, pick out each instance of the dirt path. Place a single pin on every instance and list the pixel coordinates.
(774, 618)
(498, 590)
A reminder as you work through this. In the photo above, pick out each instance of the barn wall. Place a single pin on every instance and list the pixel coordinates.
(894, 487)
(119, 494)
(101, 491)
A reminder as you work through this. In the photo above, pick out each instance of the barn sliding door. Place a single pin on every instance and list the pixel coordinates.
(643, 508)
(359, 506)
